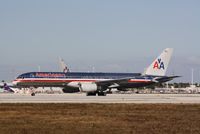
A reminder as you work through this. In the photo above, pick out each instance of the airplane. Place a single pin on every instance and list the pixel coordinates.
(10, 88)
(63, 66)
(98, 83)
(7, 87)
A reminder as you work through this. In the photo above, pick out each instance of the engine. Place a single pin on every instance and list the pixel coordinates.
(88, 87)
(70, 90)
(122, 89)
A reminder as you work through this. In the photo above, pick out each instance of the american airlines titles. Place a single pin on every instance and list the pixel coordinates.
(51, 75)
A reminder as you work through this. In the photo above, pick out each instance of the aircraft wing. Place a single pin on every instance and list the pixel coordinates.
(116, 82)
(112, 82)
(167, 78)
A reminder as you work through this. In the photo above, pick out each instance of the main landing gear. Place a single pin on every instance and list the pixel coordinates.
(98, 93)
(91, 93)
(32, 94)
(101, 94)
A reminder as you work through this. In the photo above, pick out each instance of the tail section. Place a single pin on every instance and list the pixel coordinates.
(160, 65)
(63, 66)
(6, 87)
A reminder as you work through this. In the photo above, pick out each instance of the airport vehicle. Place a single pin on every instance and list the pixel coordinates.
(98, 83)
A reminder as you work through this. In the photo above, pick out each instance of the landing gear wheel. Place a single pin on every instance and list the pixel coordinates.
(101, 94)
(32, 94)
(91, 94)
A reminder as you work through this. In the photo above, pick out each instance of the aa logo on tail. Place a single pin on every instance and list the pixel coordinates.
(159, 64)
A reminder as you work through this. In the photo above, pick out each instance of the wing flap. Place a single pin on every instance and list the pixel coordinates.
(112, 82)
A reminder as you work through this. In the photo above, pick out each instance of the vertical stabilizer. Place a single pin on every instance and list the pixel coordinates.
(160, 64)
(63, 66)
(7, 88)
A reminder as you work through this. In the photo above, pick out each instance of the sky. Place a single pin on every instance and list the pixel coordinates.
(98, 35)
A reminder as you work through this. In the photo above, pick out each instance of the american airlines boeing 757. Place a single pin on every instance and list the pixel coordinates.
(98, 83)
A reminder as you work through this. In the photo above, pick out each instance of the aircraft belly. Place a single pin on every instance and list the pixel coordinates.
(42, 84)
(135, 85)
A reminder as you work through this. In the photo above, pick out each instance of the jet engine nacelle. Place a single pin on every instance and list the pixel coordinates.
(88, 87)
(70, 90)
(122, 89)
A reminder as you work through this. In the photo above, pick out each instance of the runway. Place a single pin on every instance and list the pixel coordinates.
(110, 98)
